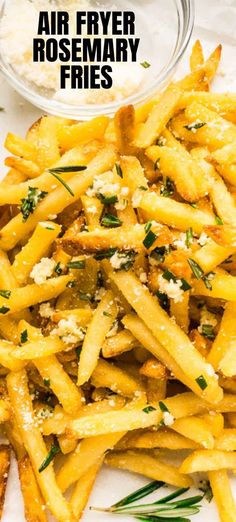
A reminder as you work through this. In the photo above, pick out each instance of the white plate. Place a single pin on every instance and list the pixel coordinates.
(215, 24)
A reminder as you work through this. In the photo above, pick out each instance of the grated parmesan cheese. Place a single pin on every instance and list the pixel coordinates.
(42, 270)
(171, 288)
(168, 419)
(68, 330)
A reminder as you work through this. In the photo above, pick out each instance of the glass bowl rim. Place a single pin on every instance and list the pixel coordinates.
(88, 111)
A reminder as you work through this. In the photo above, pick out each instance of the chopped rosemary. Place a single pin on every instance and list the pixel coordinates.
(218, 220)
(4, 310)
(159, 253)
(189, 237)
(149, 239)
(24, 337)
(29, 204)
(119, 170)
(207, 331)
(143, 188)
(106, 254)
(84, 297)
(58, 269)
(5, 293)
(207, 280)
(163, 300)
(71, 284)
(145, 64)
(76, 265)
(201, 381)
(148, 409)
(161, 141)
(126, 260)
(46, 382)
(107, 200)
(194, 205)
(163, 407)
(167, 189)
(78, 352)
(51, 454)
(68, 168)
(169, 276)
(148, 226)
(61, 181)
(139, 493)
(107, 314)
(196, 269)
(111, 221)
(194, 126)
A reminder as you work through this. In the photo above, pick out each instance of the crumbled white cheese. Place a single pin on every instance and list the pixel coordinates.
(103, 184)
(203, 239)
(181, 242)
(168, 419)
(121, 204)
(118, 260)
(207, 318)
(143, 277)
(42, 270)
(52, 216)
(92, 210)
(137, 198)
(69, 331)
(210, 370)
(45, 310)
(171, 288)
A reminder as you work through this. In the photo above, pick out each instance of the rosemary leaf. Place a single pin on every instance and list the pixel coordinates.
(50, 456)
(139, 493)
(62, 182)
(68, 168)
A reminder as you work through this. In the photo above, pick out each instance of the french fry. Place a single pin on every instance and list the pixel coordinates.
(215, 421)
(7, 356)
(28, 168)
(222, 103)
(154, 369)
(159, 116)
(122, 342)
(110, 376)
(133, 175)
(169, 335)
(99, 327)
(181, 312)
(223, 286)
(36, 248)
(163, 438)
(175, 214)
(221, 489)
(70, 135)
(47, 142)
(20, 147)
(208, 460)
(57, 200)
(190, 180)
(124, 120)
(223, 235)
(42, 347)
(82, 490)
(226, 440)
(5, 456)
(212, 255)
(33, 502)
(29, 295)
(195, 429)
(144, 464)
(7, 278)
(93, 209)
(33, 441)
(197, 57)
(87, 453)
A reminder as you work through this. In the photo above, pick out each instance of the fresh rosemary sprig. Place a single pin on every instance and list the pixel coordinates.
(50, 456)
(62, 181)
(68, 168)
(160, 510)
(29, 204)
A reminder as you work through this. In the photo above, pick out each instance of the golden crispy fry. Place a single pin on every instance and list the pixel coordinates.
(33, 502)
(82, 490)
(124, 128)
(163, 438)
(221, 489)
(208, 460)
(140, 462)
(5, 456)
(122, 342)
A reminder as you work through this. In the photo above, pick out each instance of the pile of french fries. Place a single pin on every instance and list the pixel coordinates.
(136, 216)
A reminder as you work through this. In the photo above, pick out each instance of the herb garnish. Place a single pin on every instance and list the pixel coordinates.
(163, 300)
(201, 381)
(71, 284)
(5, 293)
(207, 331)
(199, 273)
(69, 168)
(218, 220)
(84, 297)
(51, 454)
(149, 239)
(143, 188)
(31, 201)
(148, 409)
(157, 511)
(107, 200)
(76, 265)
(126, 260)
(189, 237)
(24, 337)
(111, 221)
(194, 126)
(159, 253)
(119, 170)
(46, 382)
(106, 254)
(148, 226)
(145, 64)
(163, 407)
(4, 310)
(62, 181)
(58, 269)
(169, 276)
(167, 189)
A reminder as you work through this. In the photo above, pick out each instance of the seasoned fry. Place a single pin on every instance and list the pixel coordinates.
(223, 495)
(5, 456)
(33, 502)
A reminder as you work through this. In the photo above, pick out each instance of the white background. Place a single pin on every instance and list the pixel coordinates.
(215, 23)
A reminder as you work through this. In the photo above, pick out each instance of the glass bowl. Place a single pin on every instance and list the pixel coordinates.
(163, 26)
